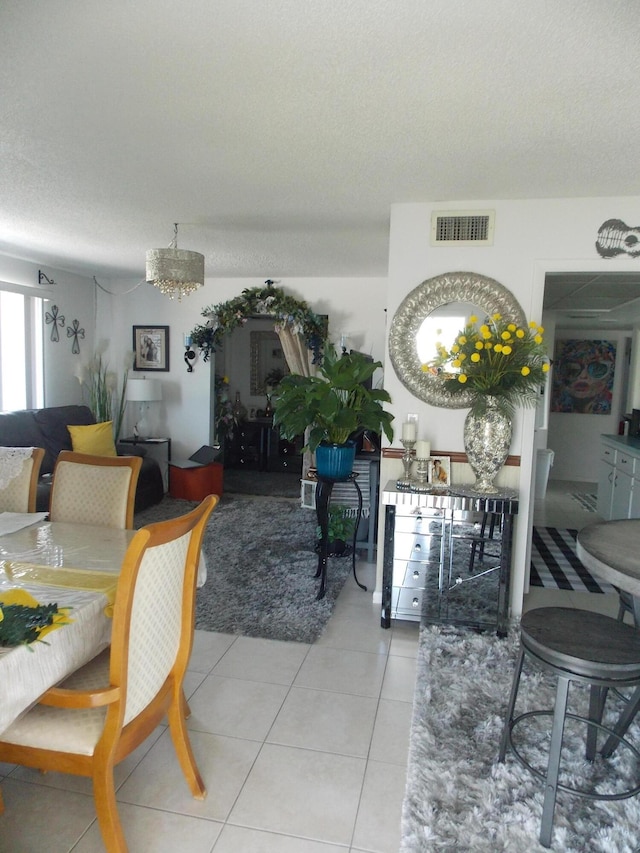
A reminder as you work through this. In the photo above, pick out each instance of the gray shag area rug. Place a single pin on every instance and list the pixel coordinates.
(283, 484)
(459, 798)
(260, 568)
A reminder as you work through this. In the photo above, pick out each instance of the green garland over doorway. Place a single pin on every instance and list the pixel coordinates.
(255, 301)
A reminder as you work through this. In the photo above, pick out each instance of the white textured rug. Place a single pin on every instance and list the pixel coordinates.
(459, 798)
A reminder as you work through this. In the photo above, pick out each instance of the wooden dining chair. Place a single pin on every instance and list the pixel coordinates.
(97, 490)
(20, 492)
(102, 712)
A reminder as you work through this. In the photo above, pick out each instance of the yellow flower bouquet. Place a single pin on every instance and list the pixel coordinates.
(494, 359)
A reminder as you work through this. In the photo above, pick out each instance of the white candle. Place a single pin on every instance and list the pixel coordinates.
(423, 449)
(408, 431)
(187, 340)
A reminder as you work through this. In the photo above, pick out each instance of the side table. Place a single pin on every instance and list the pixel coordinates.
(158, 448)
(323, 497)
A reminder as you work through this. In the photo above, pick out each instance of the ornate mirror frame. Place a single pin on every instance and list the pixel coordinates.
(483, 293)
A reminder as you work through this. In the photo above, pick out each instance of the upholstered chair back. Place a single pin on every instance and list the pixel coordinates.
(19, 471)
(96, 490)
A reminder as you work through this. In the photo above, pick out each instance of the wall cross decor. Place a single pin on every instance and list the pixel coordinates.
(52, 318)
(73, 331)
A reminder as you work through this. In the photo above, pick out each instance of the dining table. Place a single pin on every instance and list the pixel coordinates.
(75, 566)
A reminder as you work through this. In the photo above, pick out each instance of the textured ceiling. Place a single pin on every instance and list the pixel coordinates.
(278, 134)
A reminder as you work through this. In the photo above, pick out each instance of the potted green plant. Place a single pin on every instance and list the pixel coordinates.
(336, 405)
(339, 532)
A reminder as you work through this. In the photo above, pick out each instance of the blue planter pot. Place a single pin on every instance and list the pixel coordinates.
(335, 461)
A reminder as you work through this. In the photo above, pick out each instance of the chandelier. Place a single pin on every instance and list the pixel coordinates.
(174, 271)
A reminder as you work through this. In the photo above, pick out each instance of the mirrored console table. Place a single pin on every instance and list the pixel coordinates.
(447, 556)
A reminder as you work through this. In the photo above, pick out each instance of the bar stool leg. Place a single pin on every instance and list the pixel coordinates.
(512, 704)
(553, 768)
(624, 721)
(597, 698)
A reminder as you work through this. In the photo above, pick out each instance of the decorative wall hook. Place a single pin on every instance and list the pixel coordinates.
(42, 278)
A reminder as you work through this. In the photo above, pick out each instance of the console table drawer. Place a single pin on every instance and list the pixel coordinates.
(419, 547)
(420, 522)
(406, 603)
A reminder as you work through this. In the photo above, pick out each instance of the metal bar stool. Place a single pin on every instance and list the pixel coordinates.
(581, 646)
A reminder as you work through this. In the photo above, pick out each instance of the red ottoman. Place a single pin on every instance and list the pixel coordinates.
(193, 482)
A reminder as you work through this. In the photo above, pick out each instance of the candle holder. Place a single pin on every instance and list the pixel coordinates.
(422, 474)
(406, 482)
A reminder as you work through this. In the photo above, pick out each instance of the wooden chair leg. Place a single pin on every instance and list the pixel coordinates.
(182, 746)
(186, 710)
(104, 794)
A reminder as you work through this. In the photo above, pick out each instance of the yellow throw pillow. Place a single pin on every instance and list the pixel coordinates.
(96, 439)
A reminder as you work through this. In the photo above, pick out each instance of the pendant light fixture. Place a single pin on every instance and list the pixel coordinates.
(175, 272)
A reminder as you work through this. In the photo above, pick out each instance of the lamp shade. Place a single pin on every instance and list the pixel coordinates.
(175, 272)
(144, 391)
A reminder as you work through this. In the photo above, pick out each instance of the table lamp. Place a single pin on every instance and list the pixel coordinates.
(143, 392)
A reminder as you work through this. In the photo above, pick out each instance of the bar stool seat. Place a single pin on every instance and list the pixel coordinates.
(580, 646)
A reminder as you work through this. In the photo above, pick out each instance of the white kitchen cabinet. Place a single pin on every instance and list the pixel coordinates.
(619, 477)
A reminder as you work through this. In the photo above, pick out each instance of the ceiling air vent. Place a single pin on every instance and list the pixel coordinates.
(462, 228)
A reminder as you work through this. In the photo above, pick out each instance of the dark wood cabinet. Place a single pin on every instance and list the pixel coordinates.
(257, 445)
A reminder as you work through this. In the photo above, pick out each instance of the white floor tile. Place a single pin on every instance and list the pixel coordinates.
(378, 822)
(37, 818)
(256, 659)
(327, 668)
(151, 829)
(300, 792)
(224, 764)
(399, 679)
(208, 648)
(390, 741)
(333, 722)
(236, 708)
(355, 628)
(237, 839)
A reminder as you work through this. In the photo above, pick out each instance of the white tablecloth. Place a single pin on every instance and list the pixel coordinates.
(25, 673)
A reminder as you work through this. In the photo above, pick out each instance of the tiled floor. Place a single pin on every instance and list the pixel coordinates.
(559, 509)
(303, 748)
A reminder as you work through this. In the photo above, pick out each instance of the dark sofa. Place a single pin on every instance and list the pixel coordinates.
(47, 428)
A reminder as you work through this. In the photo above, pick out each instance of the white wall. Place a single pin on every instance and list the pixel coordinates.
(74, 296)
(356, 308)
(574, 437)
(531, 239)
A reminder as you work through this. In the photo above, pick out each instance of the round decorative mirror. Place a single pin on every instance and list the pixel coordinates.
(440, 307)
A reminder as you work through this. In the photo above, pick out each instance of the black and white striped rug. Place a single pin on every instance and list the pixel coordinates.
(554, 563)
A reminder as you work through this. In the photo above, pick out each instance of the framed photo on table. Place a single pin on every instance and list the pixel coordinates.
(440, 471)
(151, 348)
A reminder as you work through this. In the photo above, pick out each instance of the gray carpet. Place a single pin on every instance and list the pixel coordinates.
(458, 798)
(261, 562)
(284, 484)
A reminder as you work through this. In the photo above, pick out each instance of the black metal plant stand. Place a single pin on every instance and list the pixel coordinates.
(323, 497)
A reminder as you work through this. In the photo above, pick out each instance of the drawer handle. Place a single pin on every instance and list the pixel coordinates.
(418, 518)
(417, 547)
(415, 602)
(416, 574)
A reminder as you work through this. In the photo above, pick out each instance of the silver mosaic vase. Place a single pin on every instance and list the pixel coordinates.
(487, 439)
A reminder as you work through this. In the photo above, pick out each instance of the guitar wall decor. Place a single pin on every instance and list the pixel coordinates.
(616, 238)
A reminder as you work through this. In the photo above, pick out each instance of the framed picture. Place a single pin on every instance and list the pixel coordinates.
(440, 471)
(151, 347)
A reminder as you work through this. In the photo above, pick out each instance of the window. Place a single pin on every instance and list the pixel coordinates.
(21, 351)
